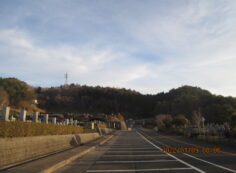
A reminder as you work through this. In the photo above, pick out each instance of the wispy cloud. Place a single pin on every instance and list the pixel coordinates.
(85, 65)
(150, 46)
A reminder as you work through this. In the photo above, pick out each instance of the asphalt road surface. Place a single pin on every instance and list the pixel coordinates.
(142, 151)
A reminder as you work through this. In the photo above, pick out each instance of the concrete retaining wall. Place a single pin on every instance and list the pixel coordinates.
(86, 137)
(14, 150)
(105, 131)
(123, 125)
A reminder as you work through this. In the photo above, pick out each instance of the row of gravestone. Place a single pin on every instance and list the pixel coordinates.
(35, 118)
(53, 120)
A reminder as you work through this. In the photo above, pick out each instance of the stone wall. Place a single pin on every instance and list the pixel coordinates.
(16, 150)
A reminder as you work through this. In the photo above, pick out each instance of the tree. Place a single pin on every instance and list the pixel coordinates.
(4, 100)
(180, 121)
(183, 100)
(16, 93)
(197, 118)
(163, 119)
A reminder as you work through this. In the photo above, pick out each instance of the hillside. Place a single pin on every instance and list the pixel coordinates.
(100, 100)
(17, 94)
(85, 99)
(186, 99)
(183, 100)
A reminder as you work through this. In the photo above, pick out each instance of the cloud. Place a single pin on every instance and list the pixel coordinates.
(197, 42)
(87, 65)
(151, 47)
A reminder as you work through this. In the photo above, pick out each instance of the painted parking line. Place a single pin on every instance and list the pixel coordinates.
(134, 147)
(216, 165)
(185, 163)
(135, 144)
(142, 151)
(135, 161)
(153, 151)
(120, 145)
(140, 170)
(205, 161)
(141, 155)
(131, 148)
(195, 145)
(127, 149)
(105, 141)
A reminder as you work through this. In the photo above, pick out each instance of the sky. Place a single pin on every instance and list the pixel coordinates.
(145, 45)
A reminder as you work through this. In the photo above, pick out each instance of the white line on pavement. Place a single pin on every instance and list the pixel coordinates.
(130, 148)
(191, 166)
(153, 151)
(219, 166)
(135, 161)
(139, 170)
(216, 165)
(141, 155)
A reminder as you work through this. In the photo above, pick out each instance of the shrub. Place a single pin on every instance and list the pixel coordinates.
(233, 132)
(180, 121)
(162, 120)
(101, 125)
(22, 129)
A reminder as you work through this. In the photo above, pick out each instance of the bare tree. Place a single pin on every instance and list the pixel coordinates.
(197, 118)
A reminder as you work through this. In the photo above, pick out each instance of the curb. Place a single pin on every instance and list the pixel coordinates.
(67, 161)
(103, 142)
(71, 159)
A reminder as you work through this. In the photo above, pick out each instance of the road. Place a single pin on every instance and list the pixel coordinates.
(141, 151)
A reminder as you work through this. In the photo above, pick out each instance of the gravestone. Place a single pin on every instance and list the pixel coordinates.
(67, 122)
(23, 115)
(45, 118)
(35, 117)
(54, 120)
(5, 113)
(71, 121)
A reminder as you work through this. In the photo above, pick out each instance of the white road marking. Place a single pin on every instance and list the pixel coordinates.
(191, 166)
(141, 155)
(154, 151)
(140, 170)
(136, 161)
(124, 145)
(131, 148)
(106, 140)
(126, 150)
(216, 165)
(219, 166)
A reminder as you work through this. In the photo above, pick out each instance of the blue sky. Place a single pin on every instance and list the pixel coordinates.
(147, 45)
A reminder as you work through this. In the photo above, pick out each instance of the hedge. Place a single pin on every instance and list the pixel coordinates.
(101, 125)
(22, 129)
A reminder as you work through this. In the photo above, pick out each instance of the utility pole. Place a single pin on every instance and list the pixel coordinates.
(66, 79)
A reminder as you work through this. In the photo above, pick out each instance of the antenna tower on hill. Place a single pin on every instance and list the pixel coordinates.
(66, 79)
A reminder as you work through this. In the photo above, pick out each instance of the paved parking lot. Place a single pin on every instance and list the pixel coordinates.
(139, 151)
